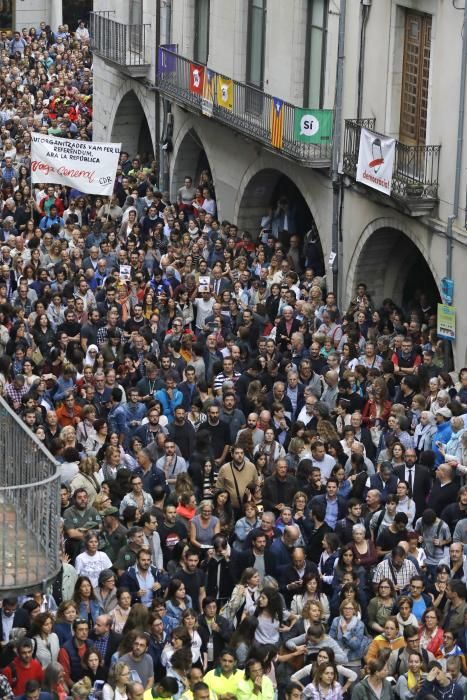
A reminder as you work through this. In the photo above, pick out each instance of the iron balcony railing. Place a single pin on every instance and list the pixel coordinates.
(251, 113)
(29, 507)
(416, 168)
(124, 44)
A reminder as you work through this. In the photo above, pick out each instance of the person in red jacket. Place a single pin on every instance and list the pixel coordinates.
(23, 668)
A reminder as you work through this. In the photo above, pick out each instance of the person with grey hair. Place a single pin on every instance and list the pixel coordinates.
(456, 560)
(424, 431)
(295, 392)
(330, 390)
(281, 548)
(358, 448)
(287, 326)
(91, 562)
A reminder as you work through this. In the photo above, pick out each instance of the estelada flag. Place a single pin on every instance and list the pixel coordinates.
(225, 92)
(277, 122)
(196, 79)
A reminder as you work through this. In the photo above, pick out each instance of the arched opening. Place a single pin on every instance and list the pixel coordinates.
(262, 193)
(392, 266)
(131, 128)
(190, 161)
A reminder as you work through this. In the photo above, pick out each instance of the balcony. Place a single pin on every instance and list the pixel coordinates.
(29, 508)
(414, 187)
(124, 45)
(250, 115)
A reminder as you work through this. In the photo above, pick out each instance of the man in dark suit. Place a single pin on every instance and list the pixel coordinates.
(278, 395)
(335, 506)
(418, 478)
(219, 284)
(444, 489)
(292, 578)
(105, 640)
(363, 435)
(456, 511)
(12, 616)
(296, 393)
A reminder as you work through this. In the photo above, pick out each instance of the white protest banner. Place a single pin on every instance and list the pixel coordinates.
(375, 161)
(86, 166)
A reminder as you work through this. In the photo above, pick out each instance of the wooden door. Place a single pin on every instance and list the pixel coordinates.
(415, 79)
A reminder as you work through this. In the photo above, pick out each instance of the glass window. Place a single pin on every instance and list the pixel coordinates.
(256, 42)
(201, 49)
(136, 12)
(315, 53)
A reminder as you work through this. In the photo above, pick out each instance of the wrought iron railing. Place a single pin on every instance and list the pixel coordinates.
(352, 143)
(416, 168)
(251, 112)
(29, 507)
(124, 44)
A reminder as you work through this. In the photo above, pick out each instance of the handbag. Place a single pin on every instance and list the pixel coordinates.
(37, 357)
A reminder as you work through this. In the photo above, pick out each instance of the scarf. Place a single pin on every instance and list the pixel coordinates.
(412, 681)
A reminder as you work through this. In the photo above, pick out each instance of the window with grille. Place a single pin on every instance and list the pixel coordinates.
(415, 79)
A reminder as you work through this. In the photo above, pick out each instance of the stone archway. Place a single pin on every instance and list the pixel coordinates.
(130, 126)
(189, 161)
(392, 265)
(262, 193)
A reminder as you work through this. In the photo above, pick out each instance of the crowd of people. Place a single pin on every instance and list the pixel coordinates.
(262, 494)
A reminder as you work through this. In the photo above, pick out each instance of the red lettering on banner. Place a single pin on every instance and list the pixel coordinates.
(42, 167)
(89, 175)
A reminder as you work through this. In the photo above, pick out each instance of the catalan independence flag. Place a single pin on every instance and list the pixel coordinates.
(277, 122)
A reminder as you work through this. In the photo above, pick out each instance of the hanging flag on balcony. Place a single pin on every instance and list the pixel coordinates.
(207, 103)
(196, 79)
(166, 58)
(225, 92)
(313, 125)
(277, 122)
(375, 161)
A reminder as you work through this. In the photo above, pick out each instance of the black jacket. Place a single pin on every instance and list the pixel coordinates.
(288, 575)
(220, 639)
(440, 497)
(129, 580)
(242, 560)
(112, 645)
(20, 619)
(277, 491)
(220, 585)
(421, 486)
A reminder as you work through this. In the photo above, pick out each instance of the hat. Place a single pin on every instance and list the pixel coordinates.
(111, 510)
(89, 525)
(444, 411)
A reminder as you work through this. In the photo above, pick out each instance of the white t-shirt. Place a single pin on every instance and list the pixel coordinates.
(204, 309)
(91, 566)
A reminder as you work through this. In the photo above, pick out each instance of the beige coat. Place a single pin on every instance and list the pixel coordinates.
(228, 475)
